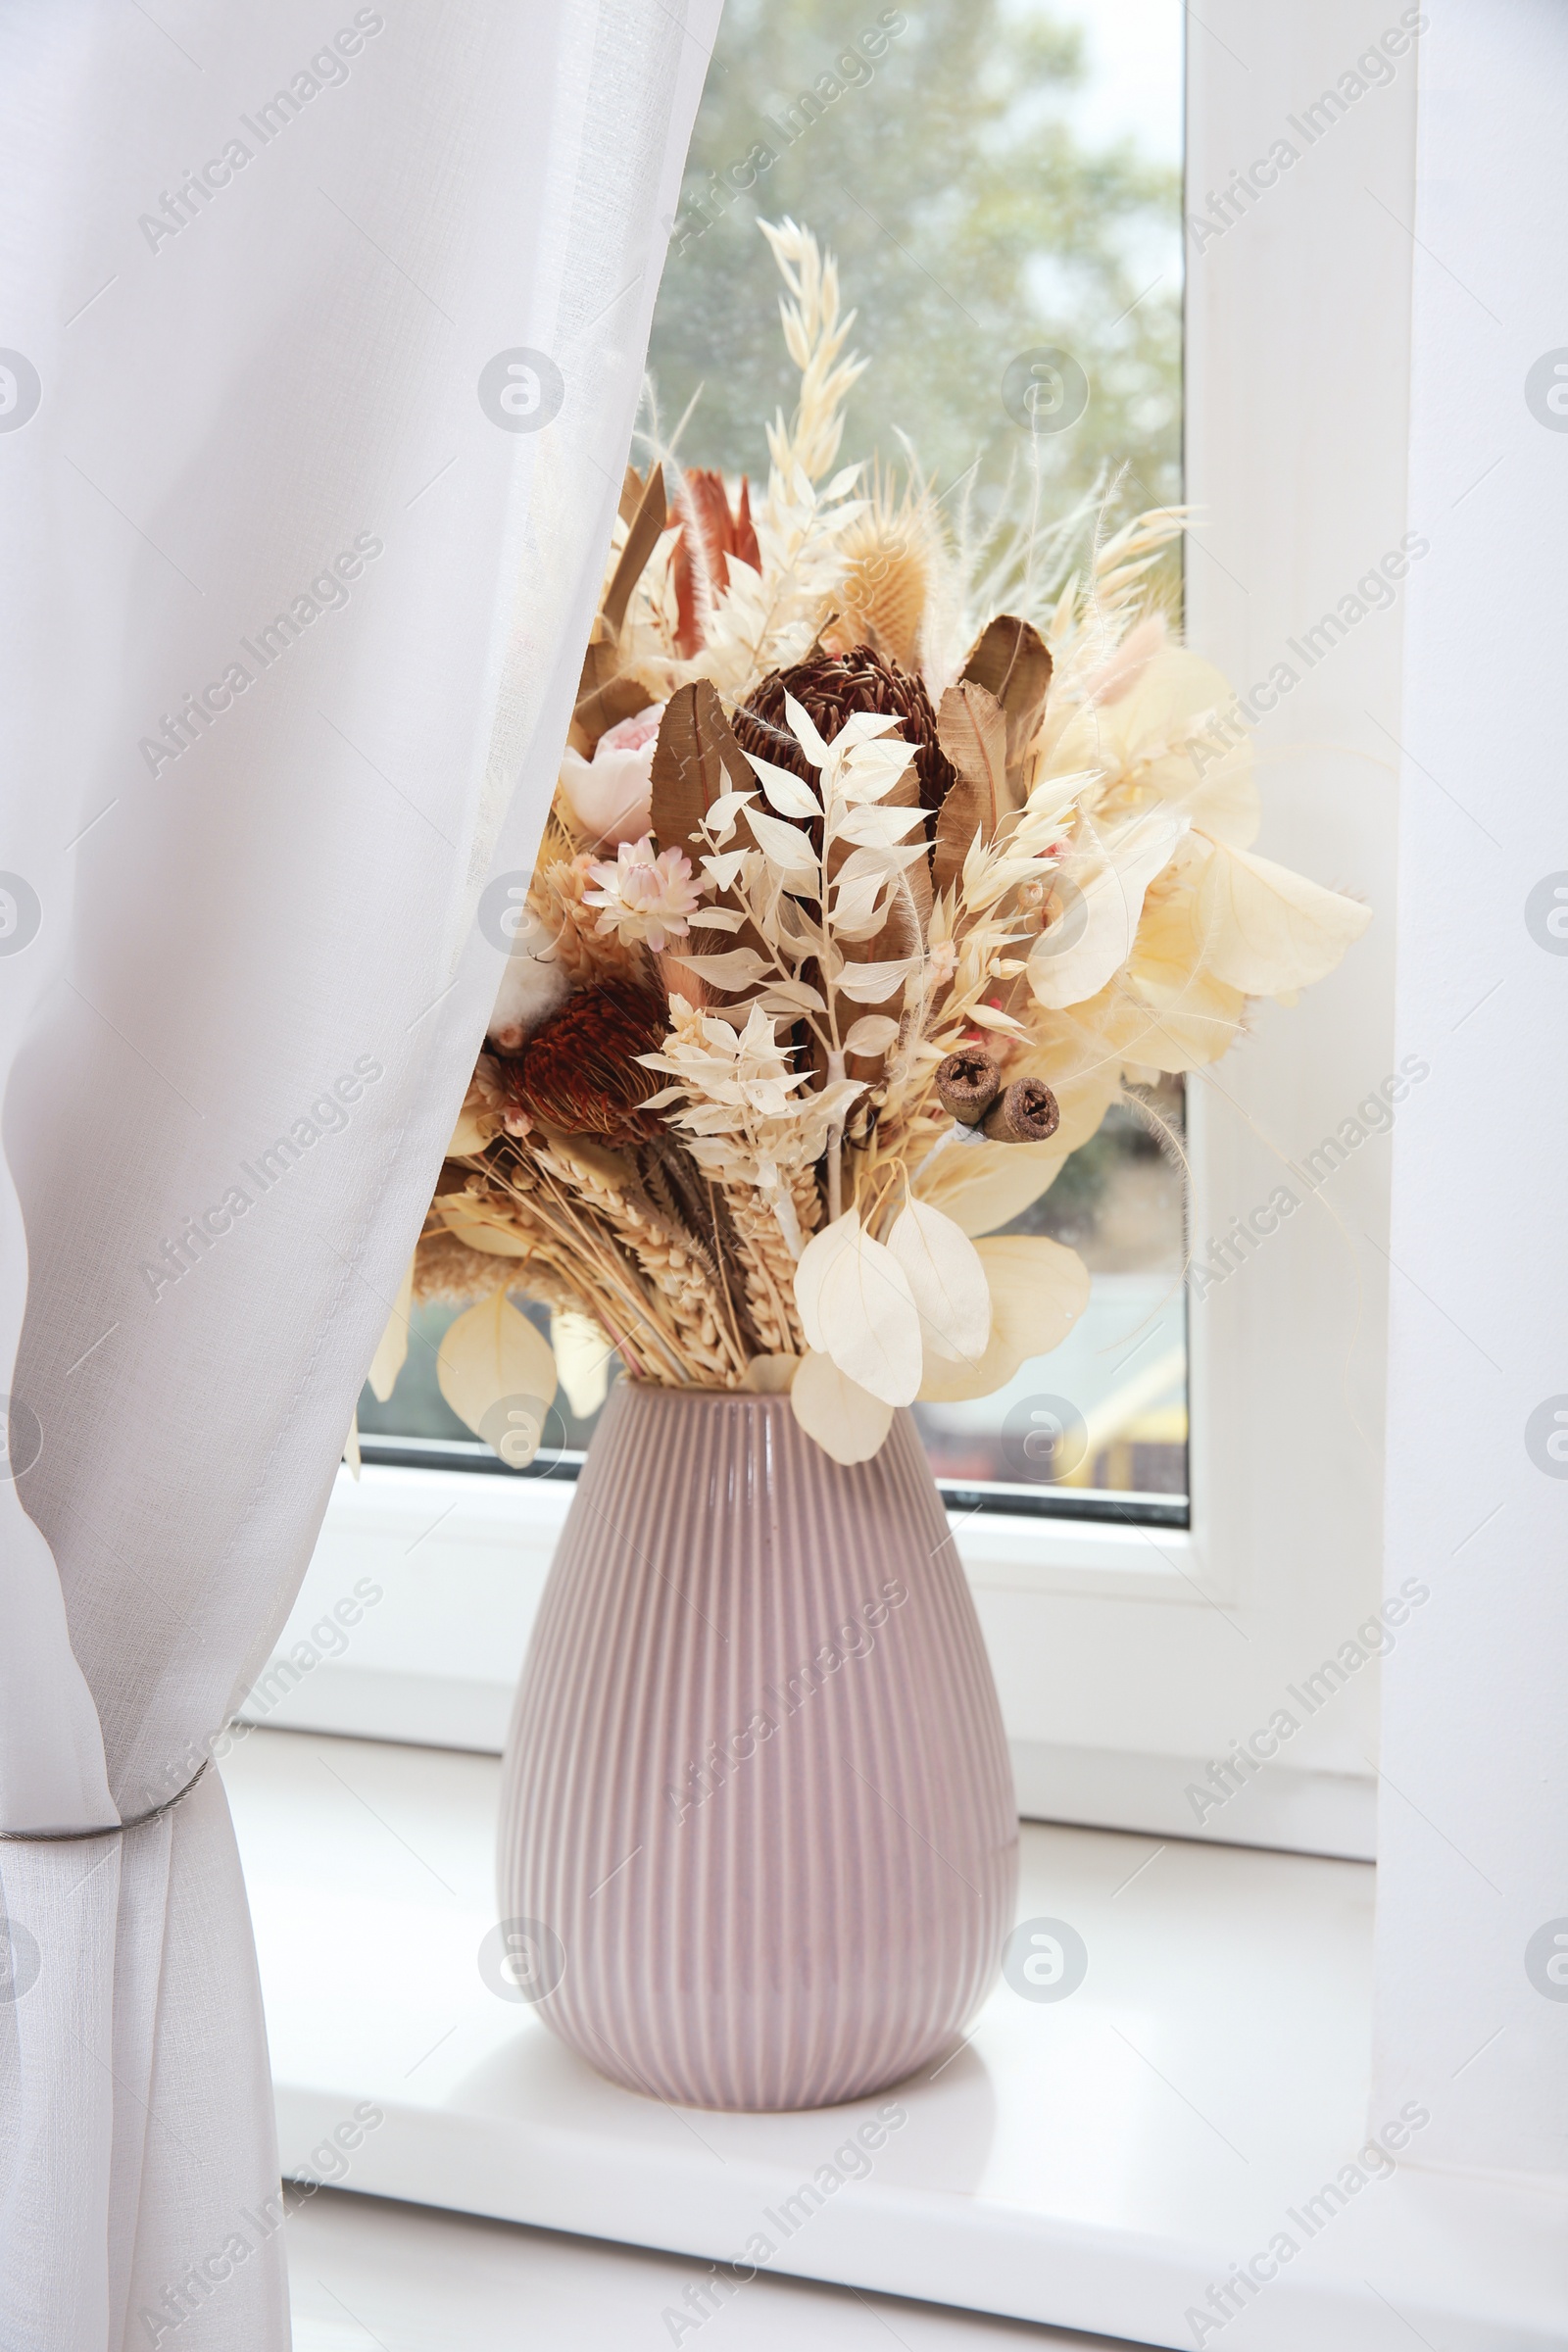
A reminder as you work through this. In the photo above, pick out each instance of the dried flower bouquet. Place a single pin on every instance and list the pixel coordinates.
(860, 901)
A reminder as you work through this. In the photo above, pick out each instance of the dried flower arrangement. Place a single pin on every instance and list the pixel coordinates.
(859, 902)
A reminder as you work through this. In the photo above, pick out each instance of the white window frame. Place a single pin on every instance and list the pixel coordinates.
(1131, 1658)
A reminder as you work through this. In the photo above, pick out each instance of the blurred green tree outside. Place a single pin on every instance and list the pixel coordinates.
(971, 220)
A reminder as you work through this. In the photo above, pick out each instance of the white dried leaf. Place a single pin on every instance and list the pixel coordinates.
(856, 1306)
(947, 1280)
(785, 790)
(719, 822)
(872, 983)
(799, 995)
(846, 1421)
(804, 728)
(872, 1033)
(786, 848)
(736, 969)
(876, 827)
(862, 726)
(868, 770)
(879, 861)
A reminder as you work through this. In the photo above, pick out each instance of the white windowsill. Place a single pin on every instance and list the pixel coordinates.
(1098, 2162)
(366, 2273)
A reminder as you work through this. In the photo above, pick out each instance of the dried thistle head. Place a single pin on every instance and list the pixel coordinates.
(889, 570)
(559, 893)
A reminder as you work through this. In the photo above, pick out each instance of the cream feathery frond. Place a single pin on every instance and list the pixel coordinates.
(769, 620)
(815, 337)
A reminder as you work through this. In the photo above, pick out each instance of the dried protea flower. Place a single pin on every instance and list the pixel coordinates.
(832, 685)
(580, 1073)
(705, 516)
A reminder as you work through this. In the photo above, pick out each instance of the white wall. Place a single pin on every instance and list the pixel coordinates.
(1473, 1834)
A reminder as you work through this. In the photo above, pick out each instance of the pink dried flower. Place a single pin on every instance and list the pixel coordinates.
(646, 898)
(610, 794)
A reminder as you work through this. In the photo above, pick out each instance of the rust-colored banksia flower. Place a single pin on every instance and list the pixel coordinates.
(580, 1072)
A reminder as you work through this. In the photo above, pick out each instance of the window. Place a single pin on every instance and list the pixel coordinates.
(1129, 1651)
(999, 183)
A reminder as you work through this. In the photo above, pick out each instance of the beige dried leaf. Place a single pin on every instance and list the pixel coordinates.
(982, 1185)
(845, 1420)
(1102, 898)
(477, 1125)
(583, 1356)
(872, 1033)
(1038, 1292)
(493, 1358)
(492, 1236)
(1269, 930)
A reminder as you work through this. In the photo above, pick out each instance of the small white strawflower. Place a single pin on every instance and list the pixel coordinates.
(643, 897)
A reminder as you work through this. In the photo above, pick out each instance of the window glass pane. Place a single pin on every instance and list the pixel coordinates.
(1001, 178)
(999, 181)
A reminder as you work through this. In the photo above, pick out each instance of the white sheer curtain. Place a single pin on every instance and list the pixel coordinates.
(293, 606)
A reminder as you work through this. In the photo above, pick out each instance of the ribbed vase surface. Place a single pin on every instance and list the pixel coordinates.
(757, 1826)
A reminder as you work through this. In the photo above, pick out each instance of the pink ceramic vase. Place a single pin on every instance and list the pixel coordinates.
(757, 1841)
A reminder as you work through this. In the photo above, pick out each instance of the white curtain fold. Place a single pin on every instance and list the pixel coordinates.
(300, 555)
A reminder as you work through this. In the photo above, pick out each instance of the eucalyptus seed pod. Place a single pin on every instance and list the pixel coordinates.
(1025, 1113)
(967, 1084)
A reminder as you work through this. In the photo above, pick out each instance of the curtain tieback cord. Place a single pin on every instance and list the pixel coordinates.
(113, 1829)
